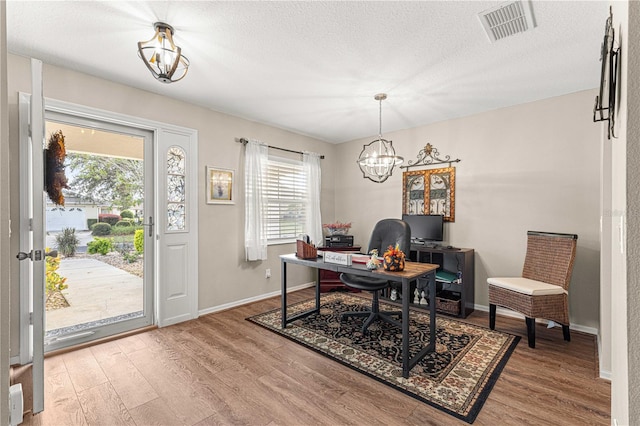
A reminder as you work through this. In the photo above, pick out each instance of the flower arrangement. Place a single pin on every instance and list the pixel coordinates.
(56, 180)
(393, 259)
(337, 228)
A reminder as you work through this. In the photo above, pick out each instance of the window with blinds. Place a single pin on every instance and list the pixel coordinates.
(285, 195)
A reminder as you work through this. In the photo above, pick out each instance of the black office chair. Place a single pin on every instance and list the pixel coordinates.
(387, 232)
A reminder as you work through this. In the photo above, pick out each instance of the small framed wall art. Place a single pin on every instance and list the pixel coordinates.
(430, 192)
(219, 186)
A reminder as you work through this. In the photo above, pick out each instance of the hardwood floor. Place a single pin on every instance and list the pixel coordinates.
(223, 370)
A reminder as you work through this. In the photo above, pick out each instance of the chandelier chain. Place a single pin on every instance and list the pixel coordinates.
(380, 120)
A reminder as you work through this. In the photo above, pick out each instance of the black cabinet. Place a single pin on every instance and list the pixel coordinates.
(455, 284)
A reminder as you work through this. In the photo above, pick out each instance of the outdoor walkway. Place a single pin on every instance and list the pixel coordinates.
(96, 291)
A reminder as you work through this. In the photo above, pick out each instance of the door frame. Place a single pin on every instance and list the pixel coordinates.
(161, 134)
(5, 224)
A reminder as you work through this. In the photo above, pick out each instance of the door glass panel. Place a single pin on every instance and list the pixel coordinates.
(175, 161)
(96, 282)
(176, 189)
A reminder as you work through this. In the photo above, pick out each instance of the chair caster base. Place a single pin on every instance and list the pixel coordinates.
(372, 316)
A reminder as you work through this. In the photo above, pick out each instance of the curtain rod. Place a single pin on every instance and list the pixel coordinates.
(244, 141)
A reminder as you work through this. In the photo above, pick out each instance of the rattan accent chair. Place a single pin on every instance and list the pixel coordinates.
(543, 289)
(387, 232)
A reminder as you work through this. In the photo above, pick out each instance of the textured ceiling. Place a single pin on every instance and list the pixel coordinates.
(314, 67)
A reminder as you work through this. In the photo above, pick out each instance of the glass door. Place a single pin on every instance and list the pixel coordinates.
(99, 246)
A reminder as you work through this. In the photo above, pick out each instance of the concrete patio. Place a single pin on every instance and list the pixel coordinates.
(96, 291)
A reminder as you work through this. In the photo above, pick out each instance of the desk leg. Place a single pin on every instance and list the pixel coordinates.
(405, 328)
(296, 316)
(283, 282)
(408, 364)
(318, 290)
(432, 310)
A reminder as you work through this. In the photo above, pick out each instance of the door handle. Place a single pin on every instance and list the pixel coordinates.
(34, 255)
(150, 225)
(22, 255)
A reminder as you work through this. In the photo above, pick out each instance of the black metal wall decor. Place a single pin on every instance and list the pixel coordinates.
(605, 106)
(428, 156)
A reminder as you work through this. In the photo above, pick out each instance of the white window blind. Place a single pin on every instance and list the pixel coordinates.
(285, 194)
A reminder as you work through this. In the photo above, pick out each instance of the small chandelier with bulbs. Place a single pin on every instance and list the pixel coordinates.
(378, 158)
(163, 58)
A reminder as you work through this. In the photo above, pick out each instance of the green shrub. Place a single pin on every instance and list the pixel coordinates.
(91, 222)
(67, 241)
(138, 240)
(130, 257)
(100, 245)
(111, 219)
(126, 214)
(100, 229)
(124, 230)
(123, 223)
(123, 245)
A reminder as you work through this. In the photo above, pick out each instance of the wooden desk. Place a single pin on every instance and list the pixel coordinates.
(423, 273)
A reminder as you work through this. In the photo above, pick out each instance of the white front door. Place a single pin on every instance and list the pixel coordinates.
(171, 221)
(32, 265)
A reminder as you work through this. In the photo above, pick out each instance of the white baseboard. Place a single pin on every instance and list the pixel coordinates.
(14, 360)
(604, 374)
(253, 299)
(514, 314)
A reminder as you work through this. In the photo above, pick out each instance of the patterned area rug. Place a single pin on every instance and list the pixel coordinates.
(456, 378)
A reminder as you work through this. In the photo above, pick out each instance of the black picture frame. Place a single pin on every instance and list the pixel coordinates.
(605, 105)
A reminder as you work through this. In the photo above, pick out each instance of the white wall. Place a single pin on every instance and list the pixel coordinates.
(624, 270)
(225, 277)
(615, 213)
(4, 225)
(529, 167)
(632, 401)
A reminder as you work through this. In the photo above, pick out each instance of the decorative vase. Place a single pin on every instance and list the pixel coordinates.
(393, 263)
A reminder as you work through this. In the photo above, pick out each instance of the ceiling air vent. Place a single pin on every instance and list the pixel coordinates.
(507, 19)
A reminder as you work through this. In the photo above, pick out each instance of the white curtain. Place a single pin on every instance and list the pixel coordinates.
(313, 225)
(255, 172)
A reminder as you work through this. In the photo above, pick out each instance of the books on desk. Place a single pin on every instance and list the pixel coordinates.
(360, 258)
